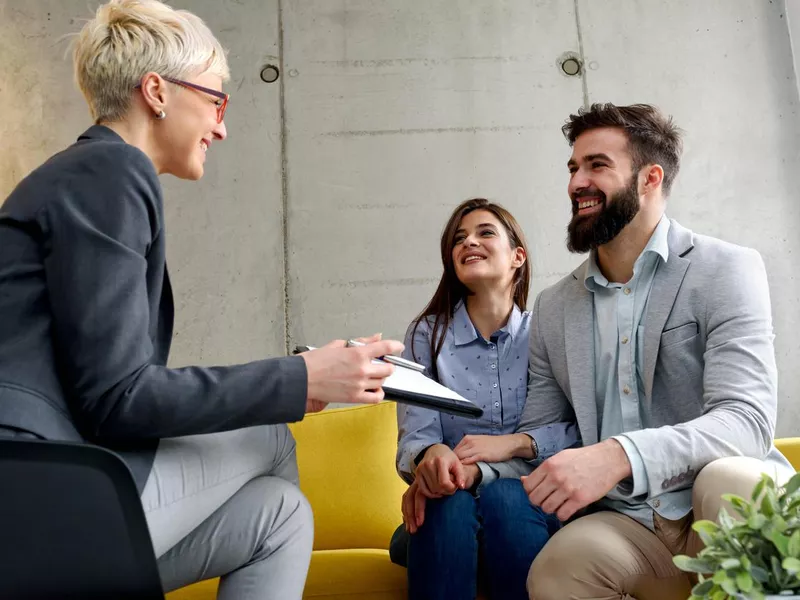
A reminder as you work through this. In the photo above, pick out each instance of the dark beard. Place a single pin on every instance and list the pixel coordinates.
(587, 233)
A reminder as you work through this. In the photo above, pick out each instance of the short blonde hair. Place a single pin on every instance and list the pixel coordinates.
(127, 39)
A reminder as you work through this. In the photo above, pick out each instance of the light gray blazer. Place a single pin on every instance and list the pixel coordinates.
(710, 376)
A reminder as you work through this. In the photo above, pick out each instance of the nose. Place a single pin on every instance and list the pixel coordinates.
(471, 240)
(579, 181)
(220, 132)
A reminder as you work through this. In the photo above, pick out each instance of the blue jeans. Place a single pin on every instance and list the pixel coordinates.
(496, 535)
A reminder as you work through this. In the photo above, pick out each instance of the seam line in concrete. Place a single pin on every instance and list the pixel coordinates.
(584, 67)
(284, 185)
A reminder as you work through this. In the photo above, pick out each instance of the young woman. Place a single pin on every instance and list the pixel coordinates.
(473, 338)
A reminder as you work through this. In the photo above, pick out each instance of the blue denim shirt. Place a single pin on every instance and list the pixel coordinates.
(491, 373)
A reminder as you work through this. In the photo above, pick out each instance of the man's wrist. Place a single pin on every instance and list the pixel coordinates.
(622, 464)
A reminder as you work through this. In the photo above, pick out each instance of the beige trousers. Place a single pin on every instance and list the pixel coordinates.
(606, 555)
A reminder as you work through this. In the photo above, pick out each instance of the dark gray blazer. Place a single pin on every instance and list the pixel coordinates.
(86, 316)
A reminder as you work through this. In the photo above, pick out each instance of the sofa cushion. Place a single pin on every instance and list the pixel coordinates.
(790, 448)
(346, 462)
(368, 574)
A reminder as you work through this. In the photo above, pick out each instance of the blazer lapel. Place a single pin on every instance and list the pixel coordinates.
(666, 284)
(579, 345)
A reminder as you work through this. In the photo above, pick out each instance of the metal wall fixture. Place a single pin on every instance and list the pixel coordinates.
(570, 64)
(270, 74)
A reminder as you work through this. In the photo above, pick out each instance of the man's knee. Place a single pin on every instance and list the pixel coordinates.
(605, 555)
(731, 475)
(565, 555)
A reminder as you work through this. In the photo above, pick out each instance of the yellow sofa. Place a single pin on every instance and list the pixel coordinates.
(790, 448)
(346, 461)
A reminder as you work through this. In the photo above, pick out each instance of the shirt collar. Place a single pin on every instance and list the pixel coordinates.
(658, 244)
(464, 331)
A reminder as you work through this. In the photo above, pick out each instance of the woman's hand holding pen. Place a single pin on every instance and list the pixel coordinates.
(348, 375)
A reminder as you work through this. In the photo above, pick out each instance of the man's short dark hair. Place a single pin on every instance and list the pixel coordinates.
(653, 138)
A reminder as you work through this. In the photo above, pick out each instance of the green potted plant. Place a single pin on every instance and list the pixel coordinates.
(755, 557)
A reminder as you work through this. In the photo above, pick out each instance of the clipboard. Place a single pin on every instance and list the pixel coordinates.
(407, 386)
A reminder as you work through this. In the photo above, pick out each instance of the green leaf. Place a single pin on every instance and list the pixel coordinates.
(794, 544)
(756, 521)
(778, 523)
(730, 563)
(791, 565)
(781, 543)
(739, 503)
(720, 577)
(745, 561)
(744, 581)
(729, 585)
(702, 588)
(693, 565)
(768, 505)
(793, 485)
(758, 489)
(705, 525)
(725, 520)
(759, 574)
(776, 567)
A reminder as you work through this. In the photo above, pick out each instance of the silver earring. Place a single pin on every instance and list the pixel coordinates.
(161, 115)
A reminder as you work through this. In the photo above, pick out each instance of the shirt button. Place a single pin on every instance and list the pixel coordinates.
(626, 390)
(624, 339)
(494, 385)
(656, 503)
(627, 291)
(497, 404)
(491, 346)
(494, 366)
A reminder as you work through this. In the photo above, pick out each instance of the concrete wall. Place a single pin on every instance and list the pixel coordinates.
(389, 113)
(793, 15)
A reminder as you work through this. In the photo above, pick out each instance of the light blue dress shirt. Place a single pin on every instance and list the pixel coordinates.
(491, 373)
(619, 365)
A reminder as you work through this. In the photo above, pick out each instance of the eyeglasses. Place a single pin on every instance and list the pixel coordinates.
(221, 101)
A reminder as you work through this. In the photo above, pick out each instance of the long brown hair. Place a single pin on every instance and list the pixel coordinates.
(450, 290)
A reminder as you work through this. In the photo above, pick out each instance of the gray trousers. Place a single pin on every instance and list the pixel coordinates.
(227, 505)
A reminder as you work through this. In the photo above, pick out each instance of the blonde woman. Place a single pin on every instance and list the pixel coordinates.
(88, 312)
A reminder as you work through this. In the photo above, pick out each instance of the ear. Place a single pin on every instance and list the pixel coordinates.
(653, 177)
(154, 92)
(519, 257)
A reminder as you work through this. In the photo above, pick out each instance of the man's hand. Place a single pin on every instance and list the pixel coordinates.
(573, 479)
(440, 472)
(493, 448)
(340, 374)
